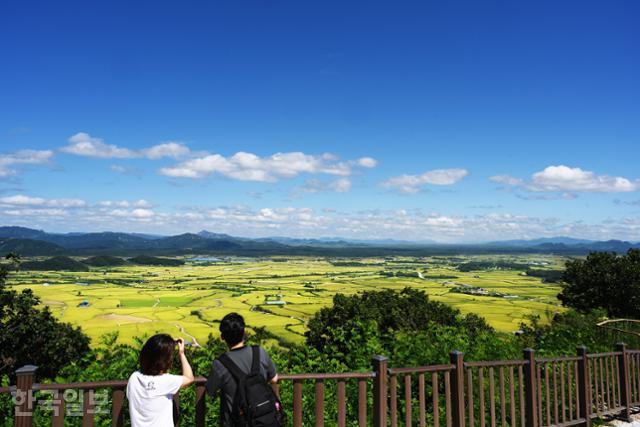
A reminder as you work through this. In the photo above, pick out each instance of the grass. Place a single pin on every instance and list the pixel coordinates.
(138, 301)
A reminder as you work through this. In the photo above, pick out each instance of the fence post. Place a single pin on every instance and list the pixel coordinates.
(24, 402)
(584, 386)
(117, 410)
(176, 409)
(380, 367)
(457, 388)
(623, 380)
(530, 404)
(201, 407)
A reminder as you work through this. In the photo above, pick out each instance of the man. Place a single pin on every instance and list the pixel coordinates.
(240, 359)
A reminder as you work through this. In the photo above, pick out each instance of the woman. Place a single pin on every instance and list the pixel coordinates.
(150, 390)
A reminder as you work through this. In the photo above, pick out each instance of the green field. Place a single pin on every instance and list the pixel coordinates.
(279, 294)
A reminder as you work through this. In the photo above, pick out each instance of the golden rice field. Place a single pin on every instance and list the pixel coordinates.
(189, 300)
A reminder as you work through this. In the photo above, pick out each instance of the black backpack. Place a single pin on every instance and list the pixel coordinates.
(255, 404)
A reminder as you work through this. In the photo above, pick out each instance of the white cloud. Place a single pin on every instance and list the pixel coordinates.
(242, 166)
(40, 214)
(135, 214)
(413, 183)
(564, 178)
(341, 185)
(567, 179)
(22, 157)
(142, 213)
(507, 180)
(22, 200)
(168, 149)
(245, 166)
(141, 203)
(367, 162)
(85, 145)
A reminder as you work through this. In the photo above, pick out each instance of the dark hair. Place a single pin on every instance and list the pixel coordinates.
(156, 356)
(232, 329)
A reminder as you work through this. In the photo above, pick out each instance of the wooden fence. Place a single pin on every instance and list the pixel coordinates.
(530, 392)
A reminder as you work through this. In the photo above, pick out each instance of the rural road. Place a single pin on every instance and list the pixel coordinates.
(193, 339)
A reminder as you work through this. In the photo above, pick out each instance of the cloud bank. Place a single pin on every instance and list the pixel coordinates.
(410, 184)
(563, 178)
(245, 166)
(84, 145)
(10, 162)
(416, 224)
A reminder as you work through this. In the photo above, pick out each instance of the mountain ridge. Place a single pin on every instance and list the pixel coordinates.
(33, 242)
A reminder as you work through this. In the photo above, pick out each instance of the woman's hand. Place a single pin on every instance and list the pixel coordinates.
(187, 373)
(180, 344)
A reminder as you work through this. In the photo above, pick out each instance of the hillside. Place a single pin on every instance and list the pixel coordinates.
(21, 233)
(151, 260)
(104, 261)
(29, 247)
(58, 263)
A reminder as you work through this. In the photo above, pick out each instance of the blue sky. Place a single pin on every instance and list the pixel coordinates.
(457, 122)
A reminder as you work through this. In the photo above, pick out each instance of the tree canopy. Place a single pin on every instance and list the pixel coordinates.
(386, 322)
(604, 280)
(31, 335)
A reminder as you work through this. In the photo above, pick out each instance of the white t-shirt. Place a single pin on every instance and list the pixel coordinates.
(150, 399)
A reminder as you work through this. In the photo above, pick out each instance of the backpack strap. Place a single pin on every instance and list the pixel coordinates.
(255, 364)
(233, 369)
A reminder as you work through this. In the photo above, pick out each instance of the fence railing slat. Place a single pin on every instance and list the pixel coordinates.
(421, 401)
(521, 389)
(407, 400)
(447, 398)
(435, 399)
(393, 388)
(563, 407)
(342, 405)
(547, 393)
(319, 403)
(492, 397)
(470, 397)
(483, 418)
(512, 396)
(539, 401)
(362, 403)
(503, 403)
(602, 386)
(555, 392)
(570, 387)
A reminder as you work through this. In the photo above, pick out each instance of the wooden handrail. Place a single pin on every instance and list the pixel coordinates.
(533, 392)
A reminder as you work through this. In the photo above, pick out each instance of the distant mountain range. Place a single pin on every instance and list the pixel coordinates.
(30, 242)
(543, 241)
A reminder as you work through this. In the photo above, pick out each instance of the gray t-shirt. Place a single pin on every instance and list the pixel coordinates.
(220, 378)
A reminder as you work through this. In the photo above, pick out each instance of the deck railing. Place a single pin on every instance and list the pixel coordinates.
(529, 392)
